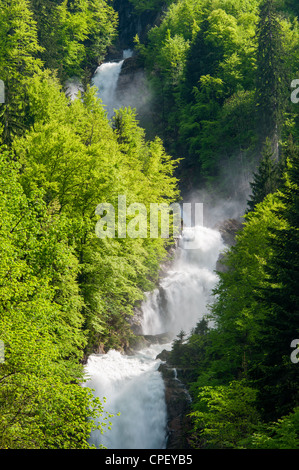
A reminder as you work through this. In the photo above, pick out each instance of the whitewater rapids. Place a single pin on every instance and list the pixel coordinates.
(132, 385)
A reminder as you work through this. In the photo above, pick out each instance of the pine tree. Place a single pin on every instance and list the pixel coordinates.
(266, 179)
(276, 376)
(271, 84)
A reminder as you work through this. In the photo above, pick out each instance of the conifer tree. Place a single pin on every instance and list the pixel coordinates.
(266, 179)
(271, 84)
(276, 376)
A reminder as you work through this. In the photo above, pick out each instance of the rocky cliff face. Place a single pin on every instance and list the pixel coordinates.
(178, 402)
(228, 229)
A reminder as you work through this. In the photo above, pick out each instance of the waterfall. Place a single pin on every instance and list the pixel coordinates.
(134, 388)
(106, 78)
(133, 385)
(184, 293)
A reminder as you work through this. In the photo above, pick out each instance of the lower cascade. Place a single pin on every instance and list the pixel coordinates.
(132, 384)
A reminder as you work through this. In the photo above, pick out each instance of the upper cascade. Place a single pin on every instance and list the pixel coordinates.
(181, 299)
(105, 79)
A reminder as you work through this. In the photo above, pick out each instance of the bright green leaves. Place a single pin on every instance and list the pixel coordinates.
(19, 44)
(173, 57)
(282, 434)
(64, 292)
(102, 29)
(19, 61)
(200, 56)
(224, 415)
(80, 161)
(222, 31)
(74, 35)
(42, 404)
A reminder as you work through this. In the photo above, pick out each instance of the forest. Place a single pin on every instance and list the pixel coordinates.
(225, 100)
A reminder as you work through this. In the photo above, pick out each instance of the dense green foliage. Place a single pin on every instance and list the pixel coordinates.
(42, 404)
(74, 34)
(64, 291)
(220, 73)
(267, 178)
(214, 71)
(255, 320)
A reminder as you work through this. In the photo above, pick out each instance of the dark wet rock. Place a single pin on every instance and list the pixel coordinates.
(135, 321)
(221, 266)
(161, 338)
(138, 342)
(178, 404)
(113, 54)
(130, 23)
(164, 355)
(228, 229)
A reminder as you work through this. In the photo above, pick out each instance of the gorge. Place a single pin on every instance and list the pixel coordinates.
(133, 384)
(116, 331)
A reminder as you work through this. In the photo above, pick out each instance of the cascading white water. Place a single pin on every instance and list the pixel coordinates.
(105, 79)
(134, 388)
(133, 385)
(182, 296)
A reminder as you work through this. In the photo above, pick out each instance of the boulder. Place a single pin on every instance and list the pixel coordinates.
(164, 355)
(228, 229)
(162, 338)
(138, 342)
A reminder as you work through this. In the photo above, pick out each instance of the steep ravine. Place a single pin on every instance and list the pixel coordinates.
(152, 403)
(147, 391)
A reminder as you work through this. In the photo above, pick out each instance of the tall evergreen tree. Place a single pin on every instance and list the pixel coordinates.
(266, 179)
(276, 376)
(271, 85)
